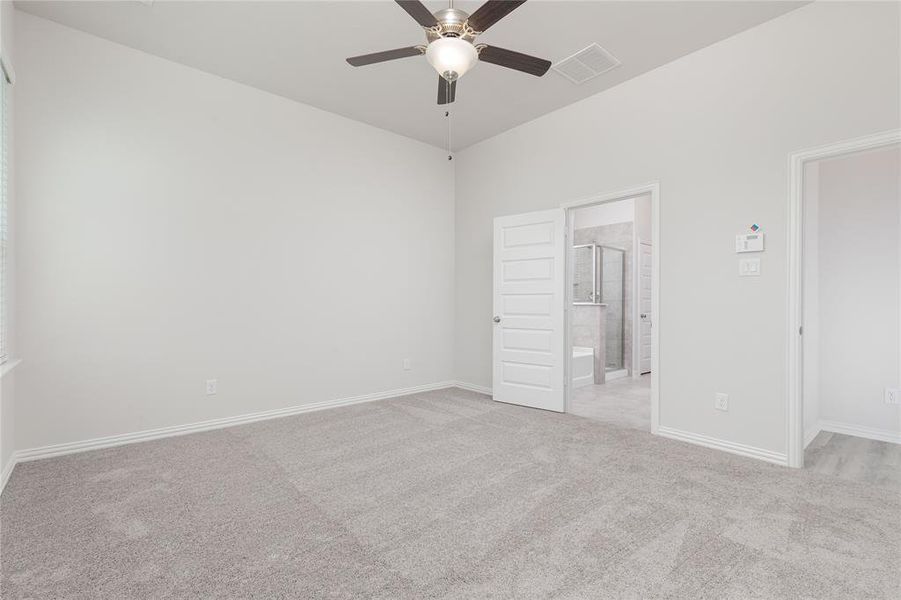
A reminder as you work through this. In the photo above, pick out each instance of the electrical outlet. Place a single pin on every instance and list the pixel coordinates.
(721, 402)
(407, 366)
(211, 385)
(892, 396)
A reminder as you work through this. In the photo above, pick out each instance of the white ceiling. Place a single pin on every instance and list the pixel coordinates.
(297, 50)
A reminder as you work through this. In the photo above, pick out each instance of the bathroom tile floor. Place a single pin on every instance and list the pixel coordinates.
(624, 402)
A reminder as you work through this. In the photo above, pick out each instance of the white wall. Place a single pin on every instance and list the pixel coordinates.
(859, 294)
(7, 378)
(175, 226)
(621, 211)
(716, 129)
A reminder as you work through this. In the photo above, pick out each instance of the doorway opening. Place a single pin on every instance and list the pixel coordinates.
(610, 309)
(844, 298)
(533, 360)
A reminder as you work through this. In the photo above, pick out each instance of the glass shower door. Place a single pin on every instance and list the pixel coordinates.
(613, 273)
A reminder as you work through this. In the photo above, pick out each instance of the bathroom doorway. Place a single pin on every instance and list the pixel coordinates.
(611, 286)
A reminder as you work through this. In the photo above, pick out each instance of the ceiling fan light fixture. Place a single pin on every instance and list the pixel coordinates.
(451, 57)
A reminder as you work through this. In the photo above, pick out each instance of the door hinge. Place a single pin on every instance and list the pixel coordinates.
(801, 330)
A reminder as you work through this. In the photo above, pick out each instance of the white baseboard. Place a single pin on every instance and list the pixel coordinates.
(811, 433)
(164, 432)
(614, 375)
(7, 471)
(583, 381)
(481, 389)
(717, 444)
(871, 433)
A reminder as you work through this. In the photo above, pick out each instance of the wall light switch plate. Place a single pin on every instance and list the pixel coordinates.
(211, 385)
(721, 402)
(892, 396)
(749, 242)
(749, 267)
(407, 366)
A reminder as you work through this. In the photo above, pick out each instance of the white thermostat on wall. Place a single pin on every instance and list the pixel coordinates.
(749, 242)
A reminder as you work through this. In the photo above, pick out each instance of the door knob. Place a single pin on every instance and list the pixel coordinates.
(497, 319)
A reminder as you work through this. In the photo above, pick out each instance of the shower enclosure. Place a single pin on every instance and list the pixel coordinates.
(613, 289)
(599, 278)
(585, 277)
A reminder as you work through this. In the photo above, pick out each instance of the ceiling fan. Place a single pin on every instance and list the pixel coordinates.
(451, 47)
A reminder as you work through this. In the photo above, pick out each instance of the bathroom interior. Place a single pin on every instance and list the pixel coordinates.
(611, 320)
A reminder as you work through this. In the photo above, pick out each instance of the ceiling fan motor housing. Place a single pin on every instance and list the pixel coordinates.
(451, 23)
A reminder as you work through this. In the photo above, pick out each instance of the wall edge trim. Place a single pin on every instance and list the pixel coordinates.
(211, 424)
(870, 433)
(472, 387)
(7, 471)
(779, 458)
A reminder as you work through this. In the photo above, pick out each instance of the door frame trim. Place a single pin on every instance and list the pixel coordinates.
(652, 188)
(794, 418)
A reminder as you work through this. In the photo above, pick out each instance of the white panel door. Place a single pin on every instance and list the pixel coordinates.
(644, 290)
(528, 309)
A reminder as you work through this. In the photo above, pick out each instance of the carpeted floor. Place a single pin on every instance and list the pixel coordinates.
(440, 495)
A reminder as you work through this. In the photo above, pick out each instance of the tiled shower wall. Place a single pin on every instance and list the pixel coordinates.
(617, 235)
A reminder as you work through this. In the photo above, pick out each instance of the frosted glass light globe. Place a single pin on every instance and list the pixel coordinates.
(451, 57)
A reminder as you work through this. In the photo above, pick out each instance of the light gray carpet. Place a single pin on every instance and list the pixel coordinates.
(440, 495)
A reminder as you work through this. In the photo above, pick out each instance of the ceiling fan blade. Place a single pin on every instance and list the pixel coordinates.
(377, 57)
(515, 60)
(491, 12)
(446, 93)
(419, 12)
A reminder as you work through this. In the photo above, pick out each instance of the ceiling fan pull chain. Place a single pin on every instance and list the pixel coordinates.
(448, 117)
